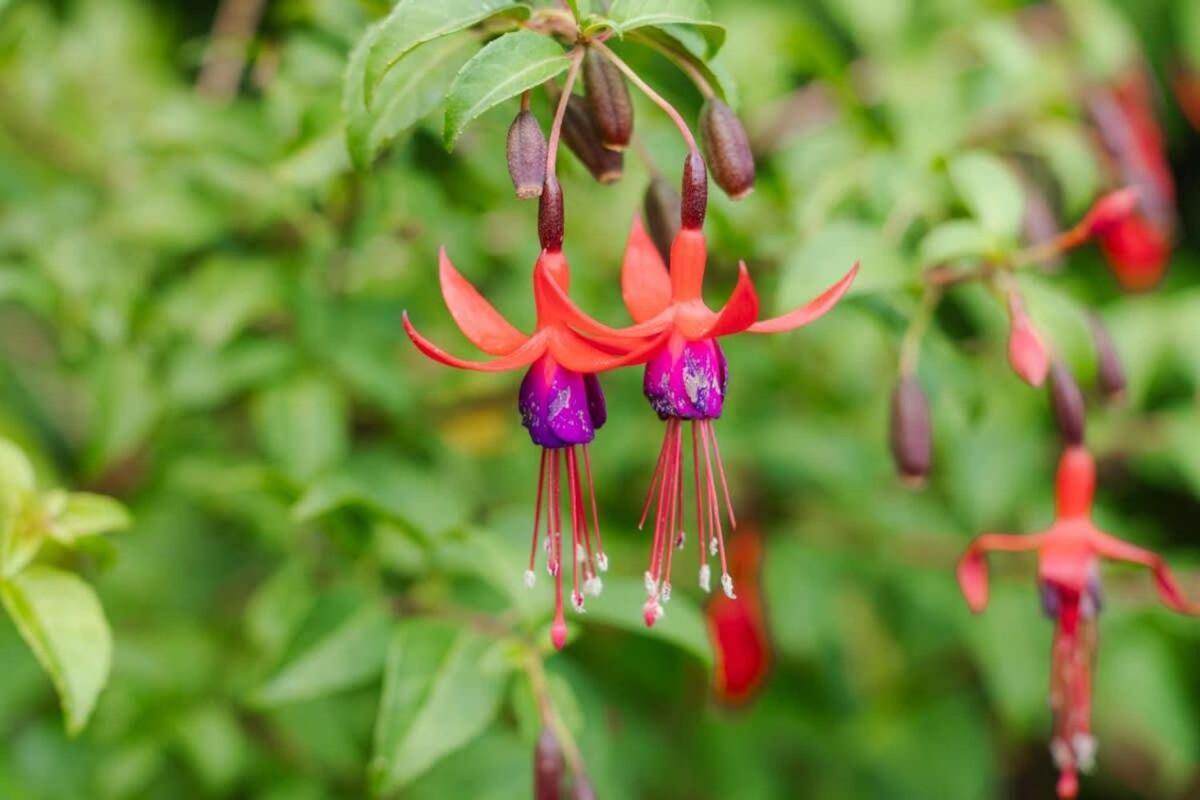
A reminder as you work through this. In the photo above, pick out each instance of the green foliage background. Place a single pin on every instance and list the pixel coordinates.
(201, 317)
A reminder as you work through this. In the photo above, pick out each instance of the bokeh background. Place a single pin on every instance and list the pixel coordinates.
(200, 315)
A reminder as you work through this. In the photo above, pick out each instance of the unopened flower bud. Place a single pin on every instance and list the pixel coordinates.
(1067, 401)
(608, 99)
(694, 199)
(547, 766)
(727, 148)
(526, 155)
(911, 439)
(581, 135)
(1026, 351)
(1110, 375)
(1110, 210)
(662, 207)
(550, 215)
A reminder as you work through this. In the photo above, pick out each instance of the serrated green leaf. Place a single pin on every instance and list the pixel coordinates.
(414, 22)
(60, 618)
(505, 68)
(442, 686)
(628, 15)
(990, 190)
(620, 605)
(348, 655)
(954, 240)
(71, 516)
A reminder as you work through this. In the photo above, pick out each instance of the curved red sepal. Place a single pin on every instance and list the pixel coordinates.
(645, 283)
(555, 306)
(972, 569)
(524, 355)
(578, 354)
(1168, 590)
(814, 310)
(739, 311)
(479, 321)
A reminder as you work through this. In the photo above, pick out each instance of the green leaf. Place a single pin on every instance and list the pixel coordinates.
(1071, 157)
(414, 88)
(414, 22)
(349, 654)
(827, 255)
(954, 240)
(991, 191)
(71, 516)
(620, 605)
(628, 15)
(580, 8)
(442, 686)
(302, 426)
(60, 618)
(505, 68)
(685, 44)
(20, 535)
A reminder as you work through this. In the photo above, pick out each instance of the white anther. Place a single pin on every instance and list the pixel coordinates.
(577, 601)
(727, 585)
(580, 553)
(706, 577)
(552, 567)
(712, 546)
(1085, 751)
(602, 562)
(530, 579)
(651, 584)
(593, 586)
(666, 593)
(680, 539)
(1061, 754)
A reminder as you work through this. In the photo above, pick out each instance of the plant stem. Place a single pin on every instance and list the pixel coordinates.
(686, 66)
(560, 112)
(633, 77)
(550, 718)
(910, 348)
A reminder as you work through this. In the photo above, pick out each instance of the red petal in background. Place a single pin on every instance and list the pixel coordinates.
(1137, 251)
(737, 627)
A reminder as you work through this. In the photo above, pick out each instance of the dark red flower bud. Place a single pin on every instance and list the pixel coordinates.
(1067, 401)
(727, 148)
(526, 155)
(608, 99)
(911, 438)
(1110, 375)
(547, 767)
(695, 191)
(1137, 250)
(550, 215)
(662, 206)
(583, 789)
(581, 135)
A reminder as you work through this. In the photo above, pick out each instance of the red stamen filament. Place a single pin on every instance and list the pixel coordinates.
(1073, 746)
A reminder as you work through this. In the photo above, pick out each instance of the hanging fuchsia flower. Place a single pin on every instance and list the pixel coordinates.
(1068, 574)
(561, 405)
(686, 375)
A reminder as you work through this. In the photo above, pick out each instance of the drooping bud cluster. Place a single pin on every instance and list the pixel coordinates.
(727, 148)
(526, 155)
(910, 435)
(581, 135)
(609, 101)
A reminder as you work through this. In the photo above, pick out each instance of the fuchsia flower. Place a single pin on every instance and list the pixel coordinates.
(1068, 573)
(561, 405)
(686, 375)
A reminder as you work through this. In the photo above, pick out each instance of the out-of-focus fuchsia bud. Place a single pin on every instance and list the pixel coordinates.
(1026, 350)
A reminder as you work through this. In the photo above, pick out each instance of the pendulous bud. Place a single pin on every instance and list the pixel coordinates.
(608, 99)
(1110, 375)
(1069, 410)
(911, 439)
(526, 155)
(550, 215)
(547, 767)
(1109, 211)
(727, 148)
(662, 206)
(581, 135)
(1026, 351)
(694, 199)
